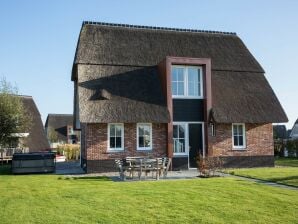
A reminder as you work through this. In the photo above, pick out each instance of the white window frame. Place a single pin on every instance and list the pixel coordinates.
(185, 73)
(242, 147)
(122, 138)
(186, 153)
(151, 143)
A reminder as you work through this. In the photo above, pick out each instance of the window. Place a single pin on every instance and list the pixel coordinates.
(70, 130)
(238, 136)
(144, 136)
(187, 81)
(179, 139)
(116, 136)
(178, 81)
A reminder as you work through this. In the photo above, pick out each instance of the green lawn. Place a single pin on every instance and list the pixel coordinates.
(286, 161)
(282, 175)
(286, 172)
(56, 199)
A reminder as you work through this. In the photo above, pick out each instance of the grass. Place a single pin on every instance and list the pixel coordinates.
(282, 161)
(57, 199)
(281, 175)
(285, 173)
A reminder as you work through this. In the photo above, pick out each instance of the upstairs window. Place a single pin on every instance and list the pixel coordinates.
(187, 82)
(238, 136)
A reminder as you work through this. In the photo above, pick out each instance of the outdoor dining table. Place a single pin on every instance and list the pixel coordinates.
(144, 165)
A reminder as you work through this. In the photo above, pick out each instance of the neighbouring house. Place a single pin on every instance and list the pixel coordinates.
(33, 139)
(280, 136)
(280, 132)
(294, 131)
(154, 91)
(59, 130)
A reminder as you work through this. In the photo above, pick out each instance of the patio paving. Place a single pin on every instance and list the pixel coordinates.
(72, 169)
(172, 175)
(67, 168)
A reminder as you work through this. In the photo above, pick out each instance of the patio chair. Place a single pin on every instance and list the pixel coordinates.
(121, 168)
(133, 164)
(166, 163)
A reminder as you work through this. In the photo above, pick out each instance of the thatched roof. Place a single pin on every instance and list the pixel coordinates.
(59, 123)
(244, 97)
(121, 94)
(114, 45)
(109, 54)
(37, 140)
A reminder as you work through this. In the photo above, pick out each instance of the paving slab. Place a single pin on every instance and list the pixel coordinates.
(273, 184)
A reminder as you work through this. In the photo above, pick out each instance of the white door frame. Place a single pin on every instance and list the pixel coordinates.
(186, 124)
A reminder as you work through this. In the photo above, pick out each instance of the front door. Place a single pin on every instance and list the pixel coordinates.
(195, 142)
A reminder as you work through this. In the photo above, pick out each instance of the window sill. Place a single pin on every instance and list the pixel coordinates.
(115, 150)
(187, 97)
(144, 149)
(239, 149)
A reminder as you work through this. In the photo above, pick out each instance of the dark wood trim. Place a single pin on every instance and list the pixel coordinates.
(166, 87)
(170, 107)
(165, 76)
(206, 64)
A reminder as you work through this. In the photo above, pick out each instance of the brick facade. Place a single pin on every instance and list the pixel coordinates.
(259, 145)
(96, 145)
(259, 141)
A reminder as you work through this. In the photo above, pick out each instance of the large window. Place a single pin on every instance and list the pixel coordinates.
(238, 136)
(144, 136)
(179, 139)
(116, 136)
(187, 82)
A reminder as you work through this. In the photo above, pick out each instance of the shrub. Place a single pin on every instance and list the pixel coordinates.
(292, 147)
(209, 165)
(70, 151)
(279, 147)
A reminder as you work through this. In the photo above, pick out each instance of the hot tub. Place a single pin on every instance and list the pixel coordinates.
(43, 162)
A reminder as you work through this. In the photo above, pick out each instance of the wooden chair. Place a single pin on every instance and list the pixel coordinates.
(121, 168)
(134, 165)
(166, 163)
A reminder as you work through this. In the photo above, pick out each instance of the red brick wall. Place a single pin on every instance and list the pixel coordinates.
(259, 141)
(97, 140)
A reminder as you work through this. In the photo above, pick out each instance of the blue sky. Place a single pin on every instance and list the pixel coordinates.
(38, 39)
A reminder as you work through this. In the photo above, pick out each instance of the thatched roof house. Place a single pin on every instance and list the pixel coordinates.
(62, 127)
(122, 74)
(36, 140)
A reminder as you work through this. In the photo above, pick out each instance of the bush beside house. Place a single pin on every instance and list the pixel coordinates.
(70, 151)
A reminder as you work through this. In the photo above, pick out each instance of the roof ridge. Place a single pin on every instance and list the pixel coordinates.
(20, 95)
(157, 28)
